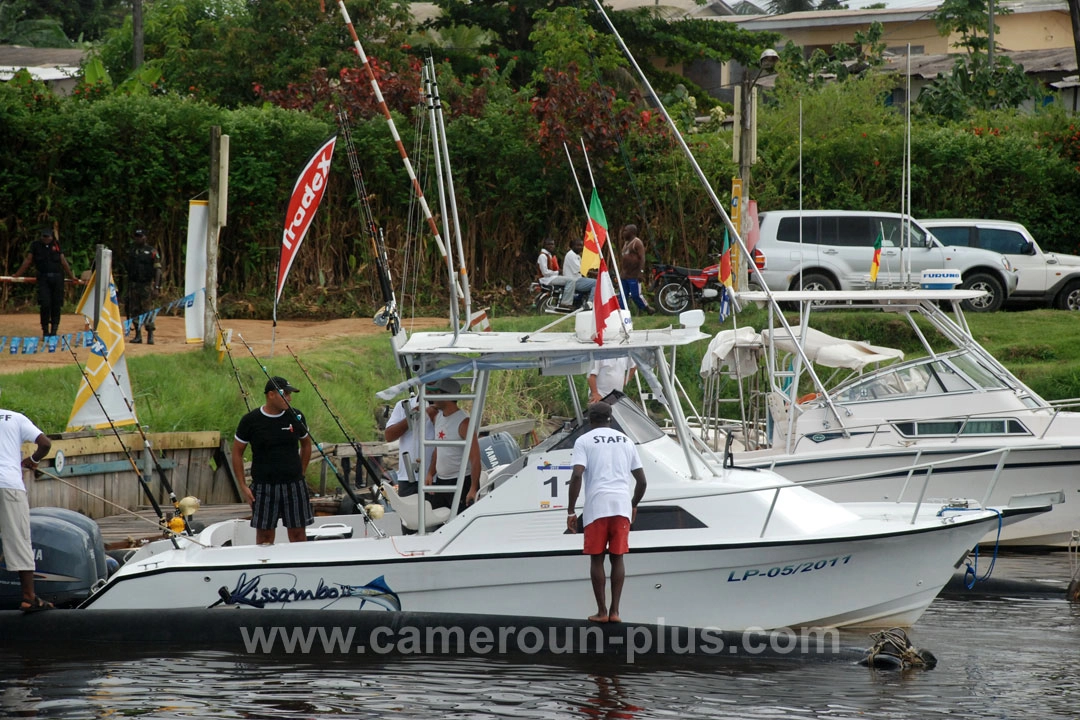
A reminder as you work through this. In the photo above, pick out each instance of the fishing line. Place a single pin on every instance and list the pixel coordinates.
(236, 372)
(169, 531)
(300, 418)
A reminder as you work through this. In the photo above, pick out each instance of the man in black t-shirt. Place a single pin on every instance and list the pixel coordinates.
(51, 266)
(280, 451)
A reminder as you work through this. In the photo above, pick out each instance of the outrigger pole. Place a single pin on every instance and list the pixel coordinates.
(462, 272)
(344, 484)
(127, 453)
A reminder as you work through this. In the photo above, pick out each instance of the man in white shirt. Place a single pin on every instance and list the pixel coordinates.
(606, 460)
(451, 423)
(401, 427)
(575, 284)
(608, 375)
(16, 429)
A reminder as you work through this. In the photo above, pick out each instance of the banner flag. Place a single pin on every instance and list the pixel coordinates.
(195, 271)
(106, 359)
(595, 236)
(306, 196)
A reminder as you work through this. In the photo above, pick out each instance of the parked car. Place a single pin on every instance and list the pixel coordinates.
(833, 250)
(1046, 278)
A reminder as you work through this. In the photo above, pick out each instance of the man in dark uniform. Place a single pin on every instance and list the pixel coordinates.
(144, 280)
(51, 266)
(280, 452)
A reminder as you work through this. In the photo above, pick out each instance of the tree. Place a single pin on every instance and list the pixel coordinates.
(783, 7)
(18, 26)
(975, 82)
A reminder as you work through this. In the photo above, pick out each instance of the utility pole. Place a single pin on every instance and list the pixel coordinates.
(745, 147)
(136, 34)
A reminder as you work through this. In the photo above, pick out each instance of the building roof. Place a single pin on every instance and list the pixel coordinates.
(1060, 60)
(42, 63)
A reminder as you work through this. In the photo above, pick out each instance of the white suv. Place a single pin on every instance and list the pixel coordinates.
(833, 250)
(1045, 278)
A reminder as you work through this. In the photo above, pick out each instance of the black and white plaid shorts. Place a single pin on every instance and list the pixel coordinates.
(287, 502)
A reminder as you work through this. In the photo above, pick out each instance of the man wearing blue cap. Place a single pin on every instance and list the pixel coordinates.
(280, 452)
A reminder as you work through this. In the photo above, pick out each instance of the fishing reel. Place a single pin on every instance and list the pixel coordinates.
(185, 508)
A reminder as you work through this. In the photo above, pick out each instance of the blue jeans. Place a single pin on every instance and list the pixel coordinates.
(632, 290)
(576, 287)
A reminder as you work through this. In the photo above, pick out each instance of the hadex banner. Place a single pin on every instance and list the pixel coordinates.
(306, 196)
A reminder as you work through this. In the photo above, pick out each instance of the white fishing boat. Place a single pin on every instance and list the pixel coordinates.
(713, 546)
(954, 414)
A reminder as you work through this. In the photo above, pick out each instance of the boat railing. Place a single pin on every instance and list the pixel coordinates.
(913, 470)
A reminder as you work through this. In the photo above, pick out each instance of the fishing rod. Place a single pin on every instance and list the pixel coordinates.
(142, 433)
(127, 453)
(300, 418)
(455, 291)
(388, 315)
(372, 469)
(236, 371)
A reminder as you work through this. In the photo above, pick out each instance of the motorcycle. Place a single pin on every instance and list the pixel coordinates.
(546, 299)
(677, 288)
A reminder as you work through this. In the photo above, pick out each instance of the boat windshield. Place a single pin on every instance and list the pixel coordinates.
(957, 373)
(626, 417)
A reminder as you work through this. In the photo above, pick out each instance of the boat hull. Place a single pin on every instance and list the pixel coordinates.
(885, 580)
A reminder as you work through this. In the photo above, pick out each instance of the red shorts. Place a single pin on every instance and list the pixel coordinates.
(611, 533)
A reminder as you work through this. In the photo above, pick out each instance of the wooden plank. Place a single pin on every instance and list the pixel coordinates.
(91, 444)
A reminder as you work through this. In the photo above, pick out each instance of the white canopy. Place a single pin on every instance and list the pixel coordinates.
(738, 349)
(832, 352)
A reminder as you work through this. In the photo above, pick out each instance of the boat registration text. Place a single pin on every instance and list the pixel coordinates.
(783, 570)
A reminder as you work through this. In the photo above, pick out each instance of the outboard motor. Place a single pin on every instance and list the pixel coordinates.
(66, 556)
(97, 544)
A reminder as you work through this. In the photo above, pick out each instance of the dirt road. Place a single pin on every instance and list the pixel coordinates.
(170, 336)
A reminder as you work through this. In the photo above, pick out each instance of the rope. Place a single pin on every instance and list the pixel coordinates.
(971, 572)
(894, 644)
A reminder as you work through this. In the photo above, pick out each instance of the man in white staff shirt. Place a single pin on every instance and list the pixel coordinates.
(18, 556)
(606, 459)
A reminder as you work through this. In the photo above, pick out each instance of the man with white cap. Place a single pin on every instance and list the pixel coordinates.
(280, 452)
(452, 423)
(18, 555)
(607, 461)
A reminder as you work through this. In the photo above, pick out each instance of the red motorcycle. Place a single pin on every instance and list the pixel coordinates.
(678, 288)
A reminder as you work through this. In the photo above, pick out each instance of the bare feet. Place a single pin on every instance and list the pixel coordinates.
(599, 618)
(614, 617)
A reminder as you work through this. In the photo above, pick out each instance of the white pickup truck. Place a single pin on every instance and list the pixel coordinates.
(1047, 278)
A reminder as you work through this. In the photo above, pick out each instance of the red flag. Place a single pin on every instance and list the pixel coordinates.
(605, 303)
(595, 235)
(306, 196)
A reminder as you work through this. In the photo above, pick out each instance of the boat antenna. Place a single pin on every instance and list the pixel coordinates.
(715, 201)
(401, 148)
(373, 471)
(447, 196)
(318, 446)
(124, 448)
(388, 316)
(225, 344)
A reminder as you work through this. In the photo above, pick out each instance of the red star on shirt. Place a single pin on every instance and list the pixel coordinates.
(442, 435)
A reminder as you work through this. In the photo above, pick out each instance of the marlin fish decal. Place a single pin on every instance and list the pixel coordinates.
(376, 592)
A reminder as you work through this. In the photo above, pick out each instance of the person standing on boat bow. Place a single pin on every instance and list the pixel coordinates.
(605, 460)
(452, 423)
(18, 555)
(280, 452)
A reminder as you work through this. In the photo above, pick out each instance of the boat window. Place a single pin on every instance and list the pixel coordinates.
(981, 375)
(949, 428)
(922, 378)
(625, 417)
(665, 517)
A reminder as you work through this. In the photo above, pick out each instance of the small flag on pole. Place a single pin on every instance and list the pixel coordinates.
(595, 235)
(875, 264)
(605, 302)
(725, 278)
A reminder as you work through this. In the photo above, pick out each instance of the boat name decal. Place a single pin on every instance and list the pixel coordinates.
(252, 592)
(784, 570)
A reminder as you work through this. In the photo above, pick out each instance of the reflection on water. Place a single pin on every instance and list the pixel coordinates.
(998, 658)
